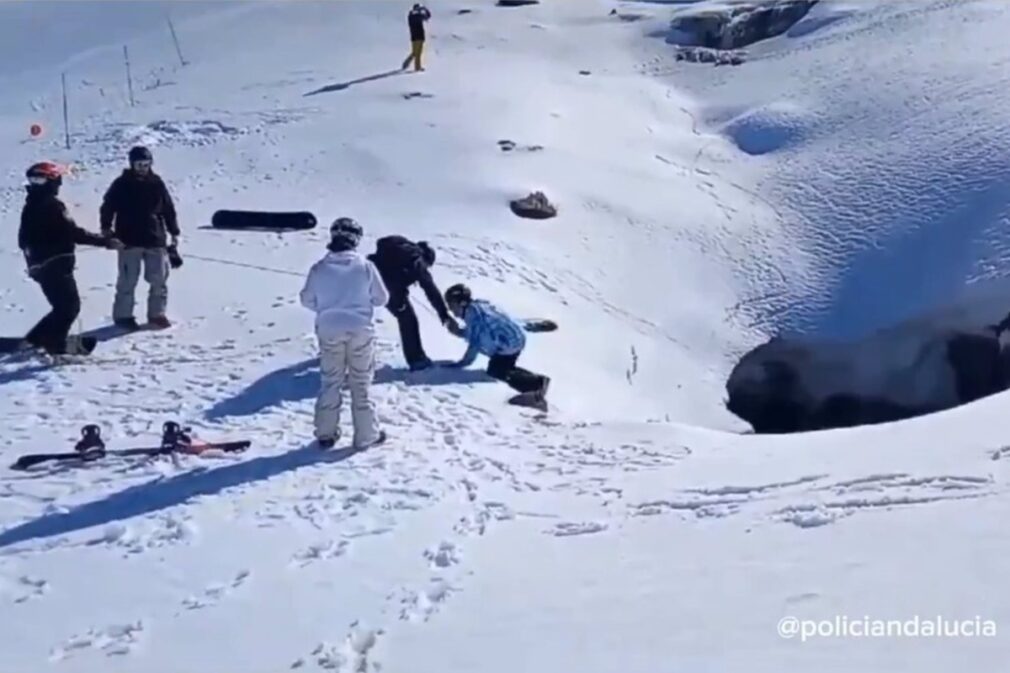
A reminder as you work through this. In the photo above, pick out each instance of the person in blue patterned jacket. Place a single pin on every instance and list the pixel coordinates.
(489, 331)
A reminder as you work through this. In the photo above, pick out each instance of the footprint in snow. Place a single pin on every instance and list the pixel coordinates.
(215, 592)
(351, 656)
(320, 552)
(24, 589)
(579, 528)
(421, 605)
(442, 556)
(115, 640)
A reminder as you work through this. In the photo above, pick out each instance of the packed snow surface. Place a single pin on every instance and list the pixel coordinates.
(850, 174)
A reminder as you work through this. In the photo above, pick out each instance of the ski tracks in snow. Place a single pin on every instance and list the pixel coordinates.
(816, 500)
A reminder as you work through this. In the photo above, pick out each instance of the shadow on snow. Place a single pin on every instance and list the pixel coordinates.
(346, 85)
(301, 382)
(157, 495)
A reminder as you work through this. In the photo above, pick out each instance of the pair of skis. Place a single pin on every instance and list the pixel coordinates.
(91, 447)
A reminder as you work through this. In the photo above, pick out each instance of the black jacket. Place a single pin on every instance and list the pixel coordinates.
(416, 19)
(48, 232)
(401, 264)
(139, 209)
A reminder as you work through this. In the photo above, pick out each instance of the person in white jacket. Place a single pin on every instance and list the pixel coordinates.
(344, 289)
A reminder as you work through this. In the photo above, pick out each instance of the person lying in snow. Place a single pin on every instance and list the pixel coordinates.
(490, 331)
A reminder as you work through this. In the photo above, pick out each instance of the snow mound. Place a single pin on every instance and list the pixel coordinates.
(186, 133)
(769, 128)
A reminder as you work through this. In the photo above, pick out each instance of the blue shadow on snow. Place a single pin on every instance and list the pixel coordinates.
(157, 495)
(301, 382)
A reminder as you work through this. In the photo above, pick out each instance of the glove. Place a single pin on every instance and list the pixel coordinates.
(174, 259)
(450, 324)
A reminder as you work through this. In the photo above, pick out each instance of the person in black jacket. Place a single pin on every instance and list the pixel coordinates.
(402, 263)
(139, 210)
(48, 237)
(415, 21)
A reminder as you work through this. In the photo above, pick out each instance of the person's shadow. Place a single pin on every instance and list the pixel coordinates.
(301, 382)
(346, 85)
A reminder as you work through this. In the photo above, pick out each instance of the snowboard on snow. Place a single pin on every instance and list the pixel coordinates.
(91, 447)
(538, 324)
(77, 344)
(263, 220)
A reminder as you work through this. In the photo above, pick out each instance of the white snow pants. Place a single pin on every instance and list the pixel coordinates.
(347, 357)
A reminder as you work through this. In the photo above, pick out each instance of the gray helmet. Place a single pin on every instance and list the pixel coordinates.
(345, 234)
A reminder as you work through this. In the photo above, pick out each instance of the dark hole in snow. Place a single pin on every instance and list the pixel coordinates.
(738, 25)
(798, 385)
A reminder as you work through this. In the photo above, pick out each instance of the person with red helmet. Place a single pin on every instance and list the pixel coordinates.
(48, 237)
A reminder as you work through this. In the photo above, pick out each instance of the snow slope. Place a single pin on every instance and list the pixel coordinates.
(630, 529)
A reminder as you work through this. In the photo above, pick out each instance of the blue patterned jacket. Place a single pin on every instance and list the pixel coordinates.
(490, 332)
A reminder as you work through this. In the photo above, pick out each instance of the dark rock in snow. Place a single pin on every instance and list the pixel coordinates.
(509, 145)
(465, 11)
(585, 72)
(536, 206)
(517, 3)
(417, 94)
(713, 56)
(738, 25)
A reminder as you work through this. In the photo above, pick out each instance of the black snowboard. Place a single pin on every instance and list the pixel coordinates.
(83, 345)
(261, 220)
(538, 325)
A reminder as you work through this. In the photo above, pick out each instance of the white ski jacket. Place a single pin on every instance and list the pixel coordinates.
(343, 289)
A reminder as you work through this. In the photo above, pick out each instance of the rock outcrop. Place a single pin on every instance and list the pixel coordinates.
(739, 25)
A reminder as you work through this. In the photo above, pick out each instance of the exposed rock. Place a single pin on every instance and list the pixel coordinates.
(714, 56)
(585, 72)
(517, 3)
(417, 94)
(536, 206)
(465, 11)
(738, 25)
(509, 145)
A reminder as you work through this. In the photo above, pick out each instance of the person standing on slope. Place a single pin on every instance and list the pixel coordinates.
(491, 332)
(343, 289)
(403, 263)
(139, 209)
(415, 21)
(48, 237)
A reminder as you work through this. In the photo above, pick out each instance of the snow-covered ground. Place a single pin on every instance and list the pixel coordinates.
(850, 174)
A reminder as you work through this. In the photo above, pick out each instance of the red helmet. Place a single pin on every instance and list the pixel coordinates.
(45, 171)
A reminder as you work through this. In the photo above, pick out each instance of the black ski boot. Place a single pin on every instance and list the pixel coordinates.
(90, 445)
(175, 437)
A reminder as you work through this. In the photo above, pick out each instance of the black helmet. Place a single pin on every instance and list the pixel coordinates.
(140, 153)
(427, 253)
(345, 234)
(458, 294)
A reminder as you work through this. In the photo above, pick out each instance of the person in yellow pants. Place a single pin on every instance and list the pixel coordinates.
(415, 20)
